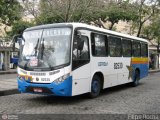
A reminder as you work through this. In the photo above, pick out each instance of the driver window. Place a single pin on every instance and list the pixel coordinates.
(80, 54)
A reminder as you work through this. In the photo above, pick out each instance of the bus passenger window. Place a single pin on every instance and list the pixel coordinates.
(99, 45)
(136, 49)
(127, 48)
(144, 50)
(115, 47)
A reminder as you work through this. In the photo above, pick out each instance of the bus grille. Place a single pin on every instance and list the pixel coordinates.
(37, 74)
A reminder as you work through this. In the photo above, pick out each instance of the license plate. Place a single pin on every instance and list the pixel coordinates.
(37, 90)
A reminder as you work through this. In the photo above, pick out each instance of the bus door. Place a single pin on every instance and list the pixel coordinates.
(80, 64)
(115, 60)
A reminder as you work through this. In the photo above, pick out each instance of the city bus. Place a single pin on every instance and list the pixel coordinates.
(68, 59)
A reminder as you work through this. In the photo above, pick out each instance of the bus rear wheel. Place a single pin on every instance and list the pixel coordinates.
(95, 87)
(136, 79)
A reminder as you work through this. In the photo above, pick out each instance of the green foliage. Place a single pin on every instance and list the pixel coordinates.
(53, 11)
(124, 12)
(18, 27)
(153, 30)
(10, 11)
(145, 10)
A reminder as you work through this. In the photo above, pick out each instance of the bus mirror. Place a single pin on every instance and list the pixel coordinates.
(18, 42)
(78, 38)
(13, 46)
(21, 41)
(78, 33)
(80, 44)
(14, 42)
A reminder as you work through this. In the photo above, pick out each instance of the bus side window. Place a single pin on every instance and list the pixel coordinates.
(115, 46)
(80, 53)
(136, 49)
(127, 48)
(144, 50)
(99, 45)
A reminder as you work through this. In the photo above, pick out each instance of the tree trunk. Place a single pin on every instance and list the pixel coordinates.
(5, 29)
(140, 28)
(111, 27)
(68, 11)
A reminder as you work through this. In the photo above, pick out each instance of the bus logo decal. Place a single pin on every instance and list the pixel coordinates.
(118, 65)
(130, 69)
(102, 63)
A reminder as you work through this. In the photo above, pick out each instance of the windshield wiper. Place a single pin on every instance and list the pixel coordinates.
(42, 49)
(36, 47)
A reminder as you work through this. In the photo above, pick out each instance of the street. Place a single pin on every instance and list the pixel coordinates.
(123, 99)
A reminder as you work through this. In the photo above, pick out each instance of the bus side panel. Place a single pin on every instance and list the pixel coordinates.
(105, 66)
(115, 70)
(123, 71)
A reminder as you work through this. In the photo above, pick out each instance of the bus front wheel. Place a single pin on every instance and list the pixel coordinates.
(95, 87)
(136, 79)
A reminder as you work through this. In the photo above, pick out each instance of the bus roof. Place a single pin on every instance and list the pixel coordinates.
(82, 25)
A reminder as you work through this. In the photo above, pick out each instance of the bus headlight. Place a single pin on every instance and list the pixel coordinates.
(61, 79)
(20, 77)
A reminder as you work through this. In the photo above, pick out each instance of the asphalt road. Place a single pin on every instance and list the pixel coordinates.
(144, 99)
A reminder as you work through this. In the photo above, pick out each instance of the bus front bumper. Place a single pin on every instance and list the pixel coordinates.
(61, 89)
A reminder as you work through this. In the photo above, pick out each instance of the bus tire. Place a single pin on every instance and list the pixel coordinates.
(136, 79)
(95, 87)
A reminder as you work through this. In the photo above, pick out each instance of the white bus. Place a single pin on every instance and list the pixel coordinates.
(69, 59)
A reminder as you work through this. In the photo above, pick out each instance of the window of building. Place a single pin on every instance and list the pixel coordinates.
(115, 47)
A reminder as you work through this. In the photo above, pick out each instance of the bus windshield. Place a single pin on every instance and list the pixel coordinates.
(45, 48)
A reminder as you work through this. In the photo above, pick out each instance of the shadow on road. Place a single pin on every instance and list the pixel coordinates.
(57, 100)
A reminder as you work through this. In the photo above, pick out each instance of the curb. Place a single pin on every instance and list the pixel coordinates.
(9, 92)
(154, 71)
(5, 72)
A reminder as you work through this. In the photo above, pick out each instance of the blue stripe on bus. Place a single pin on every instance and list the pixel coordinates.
(62, 89)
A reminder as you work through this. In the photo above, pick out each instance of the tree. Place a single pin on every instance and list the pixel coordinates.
(18, 27)
(152, 32)
(54, 11)
(146, 9)
(95, 11)
(121, 10)
(30, 7)
(10, 11)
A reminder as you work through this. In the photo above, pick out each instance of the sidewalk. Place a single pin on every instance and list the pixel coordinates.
(9, 86)
(11, 71)
(153, 71)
